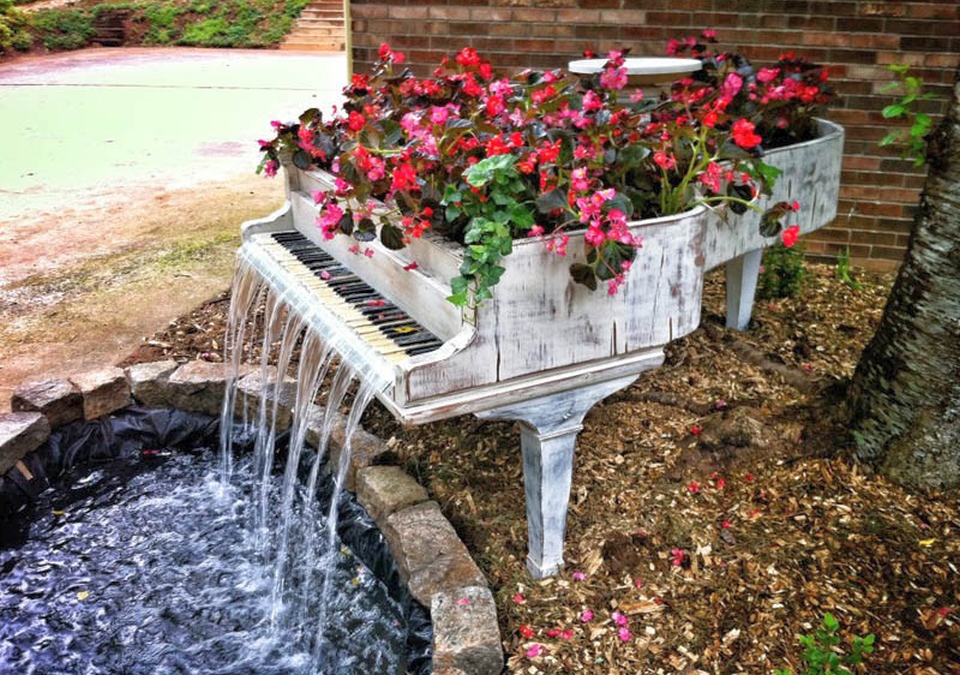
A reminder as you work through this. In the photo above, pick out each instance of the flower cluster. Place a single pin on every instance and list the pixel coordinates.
(484, 159)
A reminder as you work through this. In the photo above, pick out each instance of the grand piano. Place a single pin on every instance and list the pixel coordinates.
(544, 350)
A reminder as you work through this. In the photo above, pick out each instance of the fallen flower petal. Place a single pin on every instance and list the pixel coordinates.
(586, 615)
(624, 634)
(526, 631)
(534, 651)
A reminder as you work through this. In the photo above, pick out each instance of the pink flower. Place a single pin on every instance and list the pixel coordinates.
(767, 75)
(613, 78)
(578, 180)
(789, 235)
(619, 618)
(694, 487)
(534, 651)
(638, 583)
(624, 634)
(519, 599)
(586, 616)
(725, 525)
(578, 576)
(411, 266)
(665, 161)
(743, 134)
(677, 556)
(526, 631)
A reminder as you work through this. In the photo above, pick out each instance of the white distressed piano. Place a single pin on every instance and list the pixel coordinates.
(545, 349)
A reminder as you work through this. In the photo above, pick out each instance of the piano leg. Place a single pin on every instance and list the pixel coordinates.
(548, 433)
(742, 273)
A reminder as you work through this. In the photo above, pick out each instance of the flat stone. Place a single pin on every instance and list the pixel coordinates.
(104, 391)
(198, 386)
(430, 556)
(57, 399)
(448, 671)
(20, 433)
(148, 382)
(466, 637)
(253, 387)
(383, 490)
(365, 448)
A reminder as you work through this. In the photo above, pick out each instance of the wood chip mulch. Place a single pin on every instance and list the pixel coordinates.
(715, 513)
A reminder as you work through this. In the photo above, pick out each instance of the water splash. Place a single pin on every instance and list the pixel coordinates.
(260, 311)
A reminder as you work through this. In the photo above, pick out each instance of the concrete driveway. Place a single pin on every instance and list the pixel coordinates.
(124, 177)
(78, 124)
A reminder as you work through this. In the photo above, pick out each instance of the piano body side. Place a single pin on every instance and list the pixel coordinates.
(811, 176)
(543, 327)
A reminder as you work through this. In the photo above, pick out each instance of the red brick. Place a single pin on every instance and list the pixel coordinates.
(875, 238)
(408, 12)
(578, 16)
(945, 10)
(883, 9)
(368, 11)
(623, 16)
(491, 14)
(449, 13)
(535, 15)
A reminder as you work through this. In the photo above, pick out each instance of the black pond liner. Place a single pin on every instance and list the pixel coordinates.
(134, 433)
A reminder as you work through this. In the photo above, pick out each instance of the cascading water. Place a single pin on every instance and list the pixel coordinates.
(161, 563)
(294, 589)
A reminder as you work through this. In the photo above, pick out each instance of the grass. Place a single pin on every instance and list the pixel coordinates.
(197, 23)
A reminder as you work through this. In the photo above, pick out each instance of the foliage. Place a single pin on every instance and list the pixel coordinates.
(783, 273)
(820, 650)
(843, 272)
(64, 28)
(12, 27)
(912, 139)
(231, 23)
(583, 156)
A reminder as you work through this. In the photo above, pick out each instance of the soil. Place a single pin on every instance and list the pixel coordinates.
(715, 506)
(73, 299)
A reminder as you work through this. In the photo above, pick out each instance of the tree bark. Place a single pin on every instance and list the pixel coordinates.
(905, 393)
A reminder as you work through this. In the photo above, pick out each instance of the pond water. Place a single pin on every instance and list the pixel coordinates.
(151, 566)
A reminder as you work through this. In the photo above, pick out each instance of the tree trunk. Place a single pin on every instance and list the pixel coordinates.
(905, 393)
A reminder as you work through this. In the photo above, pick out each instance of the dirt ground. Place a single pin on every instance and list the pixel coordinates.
(715, 513)
(72, 298)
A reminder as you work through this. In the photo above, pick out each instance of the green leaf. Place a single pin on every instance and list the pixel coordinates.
(583, 274)
(551, 201)
(893, 110)
(365, 230)
(301, 160)
(830, 622)
(392, 237)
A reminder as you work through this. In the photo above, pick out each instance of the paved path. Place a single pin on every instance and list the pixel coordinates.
(78, 125)
(109, 158)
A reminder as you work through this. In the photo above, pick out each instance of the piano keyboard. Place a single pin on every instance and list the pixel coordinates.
(376, 320)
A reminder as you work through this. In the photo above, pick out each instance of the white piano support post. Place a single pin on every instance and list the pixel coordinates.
(742, 273)
(548, 433)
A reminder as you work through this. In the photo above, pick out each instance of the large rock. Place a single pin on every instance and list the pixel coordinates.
(198, 386)
(365, 448)
(57, 399)
(383, 490)
(253, 387)
(148, 382)
(20, 433)
(429, 554)
(466, 636)
(104, 391)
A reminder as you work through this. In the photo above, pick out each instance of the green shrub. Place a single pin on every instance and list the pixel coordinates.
(160, 15)
(821, 654)
(64, 28)
(782, 274)
(12, 28)
(207, 33)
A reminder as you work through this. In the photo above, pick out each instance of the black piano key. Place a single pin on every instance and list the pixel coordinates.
(390, 320)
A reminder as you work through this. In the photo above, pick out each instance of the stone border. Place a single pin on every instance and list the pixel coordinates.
(431, 558)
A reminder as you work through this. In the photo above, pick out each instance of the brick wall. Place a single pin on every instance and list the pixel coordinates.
(879, 192)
